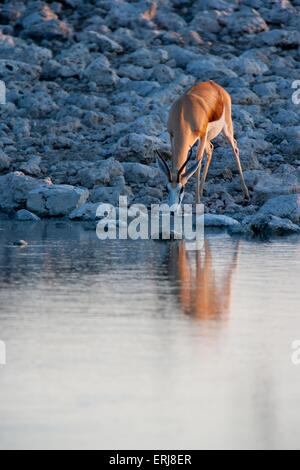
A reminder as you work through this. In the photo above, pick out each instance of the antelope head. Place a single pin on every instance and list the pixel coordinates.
(176, 186)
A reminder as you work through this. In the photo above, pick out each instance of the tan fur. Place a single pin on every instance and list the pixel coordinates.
(203, 112)
(201, 293)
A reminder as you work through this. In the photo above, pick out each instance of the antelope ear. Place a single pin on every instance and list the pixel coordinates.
(189, 173)
(163, 167)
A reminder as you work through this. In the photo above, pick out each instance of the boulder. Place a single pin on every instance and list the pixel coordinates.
(209, 66)
(291, 140)
(37, 105)
(280, 38)
(17, 70)
(133, 72)
(107, 195)
(138, 147)
(87, 212)
(100, 72)
(136, 173)
(244, 65)
(40, 22)
(163, 74)
(286, 207)
(148, 58)
(32, 167)
(245, 21)
(26, 216)
(56, 200)
(219, 221)
(283, 182)
(270, 225)
(14, 190)
(103, 172)
(181, 56)
(143, 88)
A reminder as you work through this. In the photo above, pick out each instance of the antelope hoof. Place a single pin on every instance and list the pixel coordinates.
(246, 199)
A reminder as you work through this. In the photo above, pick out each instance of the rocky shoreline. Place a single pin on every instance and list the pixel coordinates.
(89, 87)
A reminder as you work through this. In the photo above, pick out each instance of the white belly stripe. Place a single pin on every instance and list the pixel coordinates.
(216, 127)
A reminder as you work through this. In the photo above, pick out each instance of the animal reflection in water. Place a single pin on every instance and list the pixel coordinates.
(202, 293)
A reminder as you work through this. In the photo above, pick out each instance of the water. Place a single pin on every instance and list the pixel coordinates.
(142, 345)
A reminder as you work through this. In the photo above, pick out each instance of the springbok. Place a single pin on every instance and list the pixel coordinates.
(203, 112)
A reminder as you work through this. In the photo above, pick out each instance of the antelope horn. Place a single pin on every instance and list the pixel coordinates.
(168, 171)
(190, 154)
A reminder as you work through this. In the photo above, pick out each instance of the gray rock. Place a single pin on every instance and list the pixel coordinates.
(32, 167)
(244, 65)
(5, 161)
(14, 190)
(125, 14)
(107, 195)
(40, 22)
(37, 105)
(163, 74)
(169, 20)
(181, 56)
(286, 207)
(280, 38)
(291, 140)
(138, 147)
(26, 216)
(224, 159)
(56, 200)
(70, 62)
(102, 173)
(142, 88)
(19, 51)
(17, 70)
(245, 21)
(136, 173)
(133, 72)
(283, 182)
(245, 96)
(212, 5)
(209, 66)
(220, 221)
(104, 43)
(148, 58)
(87, 212)
(207, 23)
(22, 127)
(100, 72)
(266, 91)
(270, 225)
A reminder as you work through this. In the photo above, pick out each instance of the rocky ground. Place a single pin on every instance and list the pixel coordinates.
(89, 86)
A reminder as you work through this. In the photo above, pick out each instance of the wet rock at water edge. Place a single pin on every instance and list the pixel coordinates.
(26, 216)
(286, 207)
(56, 200)
(270, 225)
(14, 190)
(87, 212)
(219, 221)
